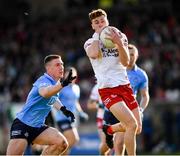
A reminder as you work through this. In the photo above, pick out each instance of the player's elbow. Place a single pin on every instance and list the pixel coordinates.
(92, 54)
(125, 61)
(44, 93)
(146, 97)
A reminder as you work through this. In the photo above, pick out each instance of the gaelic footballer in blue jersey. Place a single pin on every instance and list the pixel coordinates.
(29, 125)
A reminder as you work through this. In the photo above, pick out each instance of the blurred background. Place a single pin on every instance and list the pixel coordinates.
(32, 29)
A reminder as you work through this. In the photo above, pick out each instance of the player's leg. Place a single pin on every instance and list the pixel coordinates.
(72, 137)
(56, 142)
(18, 138)
(124, 114)
(138, 117)
(69, 130)
(16, 147)
(119, 146)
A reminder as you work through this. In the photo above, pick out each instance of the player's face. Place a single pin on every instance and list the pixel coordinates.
(99, 23)
(56, 68)
(133, 57)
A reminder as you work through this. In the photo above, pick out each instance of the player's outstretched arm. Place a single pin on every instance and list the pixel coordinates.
(49, 91)
(144, 98)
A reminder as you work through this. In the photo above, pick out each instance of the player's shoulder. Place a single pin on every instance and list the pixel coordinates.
(45, 78)
(42, 80)
(39, 79)
(88, 42)
(141, 72)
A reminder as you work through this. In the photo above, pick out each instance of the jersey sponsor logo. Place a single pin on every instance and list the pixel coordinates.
(52, 101)
(109, 52)
(16, 132)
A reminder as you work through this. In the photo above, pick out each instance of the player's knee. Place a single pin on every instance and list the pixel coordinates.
(119, 143)
(61, 145)
(73, 141)
(64, 144)
(132, 125)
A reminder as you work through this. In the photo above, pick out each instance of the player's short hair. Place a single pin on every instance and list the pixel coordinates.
(132, 46)
(48, 58)
(96, 13)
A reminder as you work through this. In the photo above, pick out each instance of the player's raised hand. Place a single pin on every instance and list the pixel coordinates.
(115, 35)
(68, 79)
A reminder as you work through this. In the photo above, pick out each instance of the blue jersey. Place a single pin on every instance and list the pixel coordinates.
(36, 108)
(138, 79)
(69, 96)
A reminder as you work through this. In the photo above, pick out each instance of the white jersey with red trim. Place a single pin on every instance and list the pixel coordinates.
(107, 68)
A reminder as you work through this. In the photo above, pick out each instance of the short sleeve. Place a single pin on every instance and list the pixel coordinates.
(42, 83)
(87, 44)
